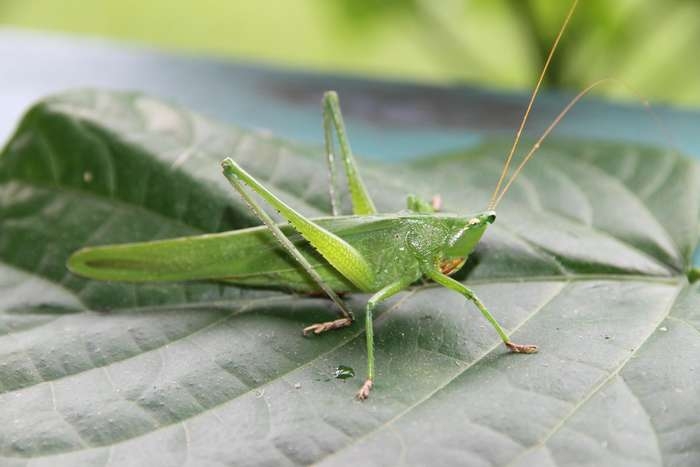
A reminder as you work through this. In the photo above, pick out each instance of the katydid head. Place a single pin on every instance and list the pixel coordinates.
(462, 243)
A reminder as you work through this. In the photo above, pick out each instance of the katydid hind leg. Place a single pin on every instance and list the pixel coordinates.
(378, 297)
(347, 319)
(329, 147)
(318, 328)
(452, 284)
(333, 120)
(339, 253)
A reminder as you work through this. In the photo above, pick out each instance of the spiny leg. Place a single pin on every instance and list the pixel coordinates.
(330, 158)
(333, 119)
(380, 296)
(318, 328)
(339, 253)
(296, 254)
(335, 250)
(452, 284)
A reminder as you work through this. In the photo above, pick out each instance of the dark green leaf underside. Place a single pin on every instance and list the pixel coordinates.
(586, 259)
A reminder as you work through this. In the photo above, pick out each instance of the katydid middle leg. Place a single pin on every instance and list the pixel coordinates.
(452, 284)
(380, 296)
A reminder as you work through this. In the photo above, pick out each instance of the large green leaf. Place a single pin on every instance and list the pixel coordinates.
(587, 259)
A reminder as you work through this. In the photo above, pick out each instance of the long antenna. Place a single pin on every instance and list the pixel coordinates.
(506, 166)
(659, 123)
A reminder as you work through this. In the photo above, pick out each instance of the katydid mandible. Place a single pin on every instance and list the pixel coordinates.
(335, 254)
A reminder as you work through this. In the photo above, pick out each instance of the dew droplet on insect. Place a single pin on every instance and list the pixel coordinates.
(343, 372)
(663, 329)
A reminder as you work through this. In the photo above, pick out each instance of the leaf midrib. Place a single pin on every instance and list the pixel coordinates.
(257, 301)
(549, 434)
(608, 179)
(281, 376)
(382, 316)
(598, 230)
(604, 382)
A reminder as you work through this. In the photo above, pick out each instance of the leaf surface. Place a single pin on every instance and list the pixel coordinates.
(587, 259)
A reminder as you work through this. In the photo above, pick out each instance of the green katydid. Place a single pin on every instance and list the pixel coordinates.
(332, 255)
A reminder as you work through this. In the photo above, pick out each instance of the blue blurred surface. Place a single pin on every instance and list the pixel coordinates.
(387, 120)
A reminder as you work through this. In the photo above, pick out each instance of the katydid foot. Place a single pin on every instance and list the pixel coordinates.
(363, 393)
(318, 328)
(521, 348)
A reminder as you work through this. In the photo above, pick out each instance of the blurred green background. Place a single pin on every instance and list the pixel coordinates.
(651, 44)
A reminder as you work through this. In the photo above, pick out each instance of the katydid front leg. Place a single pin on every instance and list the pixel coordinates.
(452, 284)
